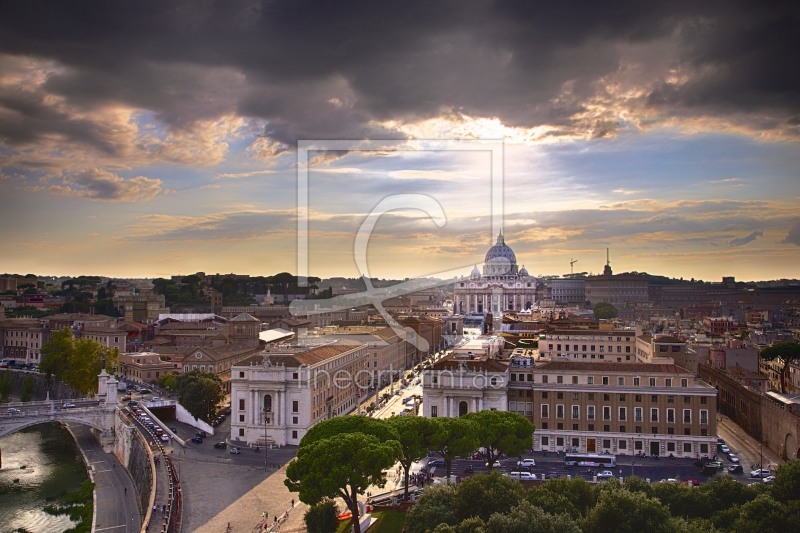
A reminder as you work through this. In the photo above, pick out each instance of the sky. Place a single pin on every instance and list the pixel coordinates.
(153, 138)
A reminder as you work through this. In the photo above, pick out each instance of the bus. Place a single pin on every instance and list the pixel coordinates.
(590, 459)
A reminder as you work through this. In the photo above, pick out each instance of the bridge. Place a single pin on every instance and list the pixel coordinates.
(98, 412)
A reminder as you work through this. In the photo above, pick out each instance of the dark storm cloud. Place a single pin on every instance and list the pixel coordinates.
(744, 240)
(329, 70)
(793, 237)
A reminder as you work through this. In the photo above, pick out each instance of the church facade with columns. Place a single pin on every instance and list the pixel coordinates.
(502, 287)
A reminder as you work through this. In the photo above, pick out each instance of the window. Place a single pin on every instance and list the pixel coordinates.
(654, 398)
(636, 382)
(637, 414)
(670, 431)
(590, 380)
(591, 396)
(668, 382)
(687, 431)
(241, 404)
(606, 397)
(703, 400)
(606, 412)
(590, 412)
(295, 406)
(704, 449)
(687, 399)
(241, 418)
(703, 416)
(559, 442)
(544, 395)
(652, 382)
(545, 441)
(559, 411)
(605, 380)
(622, 397)
(687, 416)
(622, 429)
(684, 382)
(638, 398)
(623, 445)
(623, 413)
(544, 425)
(294, 434)
(559, 426)
(637, 445)
(294, 375)
(670, 446)
(576, 411)
(670, 399)
(670, 416)
(241, 432)
(575, 427)
(559, 395)
(294, 420)
(545, 410)
(591, 427)
(574, 380)
(687, 447)
(606, 443)
(654, 414)
(621, 381)
(434, 411)
(435, 380)
(544, 379)
(606, 428)
(559, 379)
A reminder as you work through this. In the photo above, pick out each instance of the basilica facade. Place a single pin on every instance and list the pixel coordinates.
(502, 287)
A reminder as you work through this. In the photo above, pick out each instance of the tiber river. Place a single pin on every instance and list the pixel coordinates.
(52, 466)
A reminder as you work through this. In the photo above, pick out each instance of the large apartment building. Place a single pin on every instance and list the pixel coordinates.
(618, 408)
(589, 345)
(276, 396)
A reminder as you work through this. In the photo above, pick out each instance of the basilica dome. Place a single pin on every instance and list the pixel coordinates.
(500, 259)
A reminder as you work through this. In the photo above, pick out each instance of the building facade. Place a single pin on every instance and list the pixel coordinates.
(501, 287)
(588, 345)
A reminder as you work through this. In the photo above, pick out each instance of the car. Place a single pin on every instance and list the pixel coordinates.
(202, 434)
(762, 473)
(436, 462)
(198, 439)
(235, 451)
(724, 448)
(155, 399)
(133, 403)
(526, 462)
(733, 458)
(164, 437)
(145, 391)
(713, 464)
(605, 474)
(735, 469)
(720, 441)
(768, 480)
(68, 405)
(522, 476)
(13, 411)
(220, 445)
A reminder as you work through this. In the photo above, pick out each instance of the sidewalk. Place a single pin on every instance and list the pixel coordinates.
(746, 445)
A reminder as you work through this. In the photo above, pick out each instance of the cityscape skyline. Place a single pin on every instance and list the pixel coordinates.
(142, 141)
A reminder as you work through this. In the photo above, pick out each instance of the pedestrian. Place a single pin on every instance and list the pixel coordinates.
(126, 490)
(292, 502)
(276, 519)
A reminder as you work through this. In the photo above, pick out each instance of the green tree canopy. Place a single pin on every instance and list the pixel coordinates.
(786, 352)
(626, 512)
(502, 433)
(485, 494)
(322, 517)
(415, 434)
(786, 486)
(525, 517)
(200, 392)
(454, 437)
(342, 466)
(75, 362)
(603, 310)
(6, 386)
(326, 429)
(436, 506)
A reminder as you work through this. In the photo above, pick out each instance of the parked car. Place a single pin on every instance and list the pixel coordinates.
(68, 405)
(724, 448)
(762, 473)
(735, 469)
(145, 391)
(198, 439)
(220, 445)
(436, 462)
(235, 451)
(720, 441)
(155, 399)
(526, 462)
(521, 475)
(164, 437)
(13, 411)
(605, 474)
(768, 479)
(733, 458)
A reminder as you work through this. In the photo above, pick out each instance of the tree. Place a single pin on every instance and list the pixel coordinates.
(322, 517)
(414, 433)
(436, 506)
(349, 424)
(765, 514)
(168, 381)
(75, 362)
(199, 392)
(786, 486)
(502, 433)
(6, 386)
(626, 512)
(28, 388)
(454, 437)
(522, 517)
(577, 491)
(342, 466)
(786, 352)
(604, 310)
(486, 494)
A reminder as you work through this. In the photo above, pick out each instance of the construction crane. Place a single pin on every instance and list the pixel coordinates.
(572, 262)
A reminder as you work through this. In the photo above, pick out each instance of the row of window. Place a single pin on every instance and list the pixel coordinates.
(638, 445)
(590, 396)
(622, 413)
(655, 430)
(268, 405)
(621, 381)
(592, 348)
